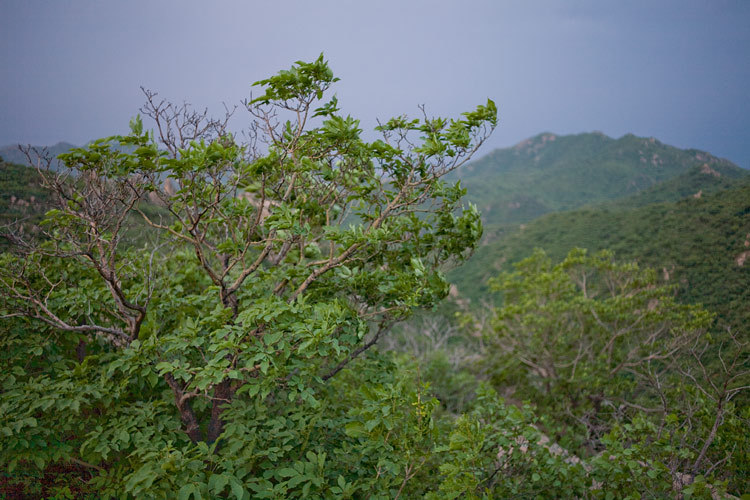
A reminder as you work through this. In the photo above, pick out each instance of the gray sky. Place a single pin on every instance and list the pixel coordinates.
(676, 70)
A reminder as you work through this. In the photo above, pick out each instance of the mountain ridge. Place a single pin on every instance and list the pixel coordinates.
(13, 154)
(549, 173)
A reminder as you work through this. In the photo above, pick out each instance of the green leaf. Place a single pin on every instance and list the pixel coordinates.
(237, 490)
(355, 429)
(272, 338)
(124, 436)
(153, 379)
(217, 482)
(287, 472)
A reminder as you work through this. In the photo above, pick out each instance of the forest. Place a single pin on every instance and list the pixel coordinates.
(304, 312)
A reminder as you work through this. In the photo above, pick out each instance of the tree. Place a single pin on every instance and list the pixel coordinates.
(621, 370)
(190, 291)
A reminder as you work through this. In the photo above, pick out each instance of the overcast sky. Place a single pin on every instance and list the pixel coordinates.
(675, 70)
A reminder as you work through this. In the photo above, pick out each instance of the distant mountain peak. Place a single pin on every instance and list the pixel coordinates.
(12, 153)
(537, 139)
(550, 172)
(706, 169)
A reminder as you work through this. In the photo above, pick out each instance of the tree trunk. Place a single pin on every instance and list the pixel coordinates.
(187, 415)
(81, 351)
(222, 396)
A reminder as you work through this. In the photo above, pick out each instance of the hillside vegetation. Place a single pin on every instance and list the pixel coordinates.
(702, 244)
(549, 173)
(23, 200)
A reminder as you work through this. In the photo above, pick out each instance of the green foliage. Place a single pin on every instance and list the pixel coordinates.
(497, 451)
(303, 82)
(197, 319)
(454, 386)
(549, 173)
(620, 372)
(699, 181)
(23, 199)
(575, 336)
(695, 244)
(210, 358)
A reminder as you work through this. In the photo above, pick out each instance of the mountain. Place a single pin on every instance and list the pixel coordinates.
(549, 173)
(23, 199)
(696, 182)
(701, 243)
(12, 153)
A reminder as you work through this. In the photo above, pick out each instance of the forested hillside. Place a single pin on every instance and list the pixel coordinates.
(549, 173)
(698, 181)
(23, 200)
(700, 243)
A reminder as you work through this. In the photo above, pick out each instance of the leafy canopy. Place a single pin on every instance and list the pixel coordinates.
(205, 361)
